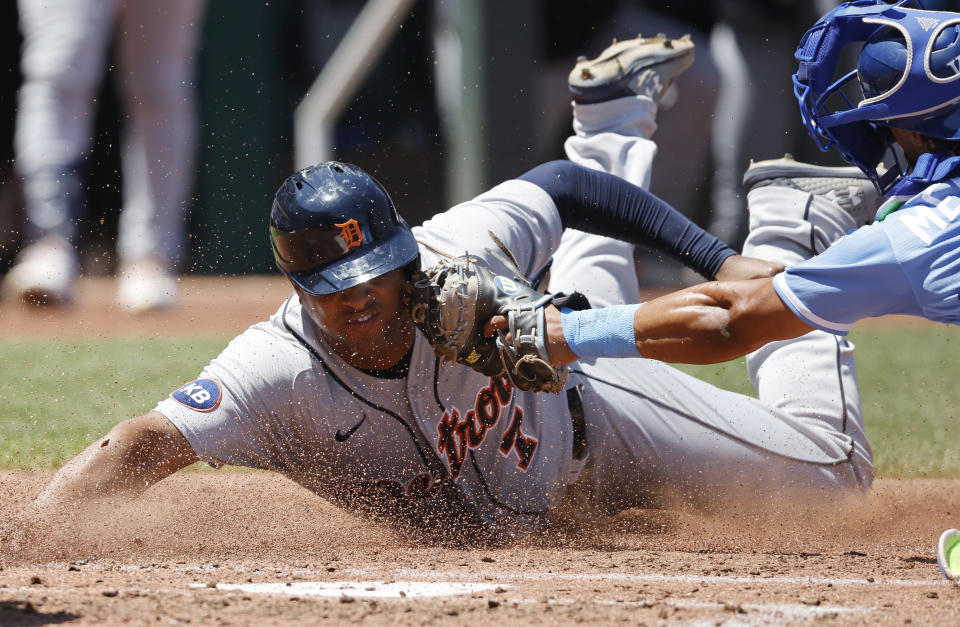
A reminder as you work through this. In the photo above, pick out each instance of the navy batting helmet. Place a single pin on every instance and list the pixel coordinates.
(333, 226)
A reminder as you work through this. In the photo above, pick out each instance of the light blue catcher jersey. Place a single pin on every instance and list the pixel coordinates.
(907, 264)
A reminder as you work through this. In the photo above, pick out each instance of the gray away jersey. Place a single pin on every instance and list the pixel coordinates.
(279, 398)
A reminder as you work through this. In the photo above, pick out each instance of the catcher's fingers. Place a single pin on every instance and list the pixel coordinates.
(740, 268)
(494, 324)
(557, 350)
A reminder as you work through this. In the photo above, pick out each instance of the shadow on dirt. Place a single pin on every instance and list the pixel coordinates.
(24, 614)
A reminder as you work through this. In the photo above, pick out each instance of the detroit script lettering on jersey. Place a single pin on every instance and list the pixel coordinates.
(457, 435)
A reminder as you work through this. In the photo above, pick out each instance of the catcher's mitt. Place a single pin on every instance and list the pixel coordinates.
(452, 301)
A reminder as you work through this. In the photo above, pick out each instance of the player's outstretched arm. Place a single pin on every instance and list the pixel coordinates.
(704, 324)
(604, 204)
(133, 456)
(714, 322)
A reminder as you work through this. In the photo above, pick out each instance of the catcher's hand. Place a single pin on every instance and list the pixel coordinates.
(454, 299)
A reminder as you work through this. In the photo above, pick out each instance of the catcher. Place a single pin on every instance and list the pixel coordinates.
(341, 391)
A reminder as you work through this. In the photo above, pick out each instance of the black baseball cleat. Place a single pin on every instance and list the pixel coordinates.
(644, 66)
(847, 186)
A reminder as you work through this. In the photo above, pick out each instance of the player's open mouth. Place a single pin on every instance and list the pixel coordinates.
(363, 317)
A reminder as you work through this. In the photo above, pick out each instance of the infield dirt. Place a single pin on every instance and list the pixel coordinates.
(195, 548)
(206, 547)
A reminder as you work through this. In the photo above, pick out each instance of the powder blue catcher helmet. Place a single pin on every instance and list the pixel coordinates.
(907, 77)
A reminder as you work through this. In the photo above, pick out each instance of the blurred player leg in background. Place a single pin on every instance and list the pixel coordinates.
(64, 57)
(64, 51)
(752, 43)
(159, 146)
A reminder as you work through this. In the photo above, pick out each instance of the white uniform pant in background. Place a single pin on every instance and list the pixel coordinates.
(657, 436)
(64, 58)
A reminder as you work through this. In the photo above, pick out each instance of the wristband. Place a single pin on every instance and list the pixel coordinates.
(606, 332)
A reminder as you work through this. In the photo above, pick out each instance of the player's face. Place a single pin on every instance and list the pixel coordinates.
(913, 144)
(369, 324)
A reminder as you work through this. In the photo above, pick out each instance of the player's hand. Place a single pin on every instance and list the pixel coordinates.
(557, 350)
(740, 268)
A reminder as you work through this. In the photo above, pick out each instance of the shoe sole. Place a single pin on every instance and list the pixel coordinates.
(785, 167)
(628, 57)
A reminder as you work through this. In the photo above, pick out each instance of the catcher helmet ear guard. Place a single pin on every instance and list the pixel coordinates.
(333, 226)
(907, 77)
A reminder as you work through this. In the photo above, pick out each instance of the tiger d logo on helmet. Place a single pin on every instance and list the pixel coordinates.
(333, 226)
(907, 77)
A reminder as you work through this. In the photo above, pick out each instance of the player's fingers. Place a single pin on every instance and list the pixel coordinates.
(740, 268)
(494, 324)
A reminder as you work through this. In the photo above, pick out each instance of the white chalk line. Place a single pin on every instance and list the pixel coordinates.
(362, 590)
(421, 574)
(663, 578)
(399, 590)
(435, 584)
(527, 576)
(783, 611)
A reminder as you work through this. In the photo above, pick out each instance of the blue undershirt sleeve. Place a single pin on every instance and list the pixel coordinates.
(604, 204)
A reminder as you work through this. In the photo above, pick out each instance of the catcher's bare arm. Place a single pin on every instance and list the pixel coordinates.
(133, 456)
(714, 322)
(707, 323)
(704, 324)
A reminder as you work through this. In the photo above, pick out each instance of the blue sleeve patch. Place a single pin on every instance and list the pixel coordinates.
(201, 395)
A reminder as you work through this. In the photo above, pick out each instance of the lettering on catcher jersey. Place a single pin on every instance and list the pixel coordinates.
(200, 395)
(457, 435)
(927, 223)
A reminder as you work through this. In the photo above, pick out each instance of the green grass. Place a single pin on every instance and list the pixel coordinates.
(910, 399)
(58, 396)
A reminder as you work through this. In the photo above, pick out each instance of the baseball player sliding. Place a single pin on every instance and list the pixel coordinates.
(342, 393)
